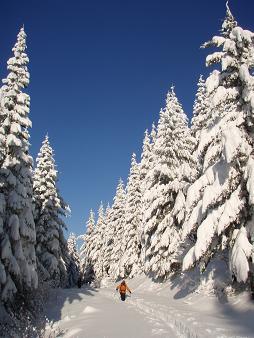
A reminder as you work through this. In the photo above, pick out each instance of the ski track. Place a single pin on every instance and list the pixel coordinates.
(102, 315)
(163, 315)
(99, 313)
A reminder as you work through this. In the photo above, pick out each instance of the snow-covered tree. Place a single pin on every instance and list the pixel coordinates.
(145, 159)
(86, 249)
(3, 269)
(90, 225)
(117, 225)
(220, 202)
(147, 154)
(49, 207)
(3, 115)
(130, 263)
(99, 236)
(200, 109)
(146, 169)
(107, 242)
(173, 170)
(74, 261)
(17, 228)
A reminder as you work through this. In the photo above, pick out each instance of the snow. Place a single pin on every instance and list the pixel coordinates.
(90, 309)
(6, 251)
(152, 310)
(178, 209)
(249, 175)
(206, 231)
(8, 290)
(218, 40)
(91, 313)
(244, 74)
(241, 251)
(227, 62)
(232, 208)
(240, 34)
(12, 140)
(192, 194)
(214, 58)
(172, 171)
(2, 274)
(230, 46)
(15, 128)
(232, 141)
(130, 262)
(213, 81)
(49, 207)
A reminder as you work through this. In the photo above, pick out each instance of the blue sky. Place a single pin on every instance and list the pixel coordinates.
(100, 71)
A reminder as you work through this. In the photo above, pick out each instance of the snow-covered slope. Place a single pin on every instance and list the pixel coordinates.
(152, 310)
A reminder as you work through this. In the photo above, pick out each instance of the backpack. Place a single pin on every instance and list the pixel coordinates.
(123, 288)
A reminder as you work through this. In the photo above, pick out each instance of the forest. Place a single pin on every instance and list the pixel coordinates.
(188, 203)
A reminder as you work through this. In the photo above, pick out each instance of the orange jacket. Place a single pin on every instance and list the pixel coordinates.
(122, 288)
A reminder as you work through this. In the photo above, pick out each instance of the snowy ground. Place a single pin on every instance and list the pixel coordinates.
(153, 310)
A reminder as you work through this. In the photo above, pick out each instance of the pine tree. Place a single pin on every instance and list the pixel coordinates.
(86, 249)
(228, 24)
(130, 264)
(146, 177)
(11, 289)
(220, 202)
(51, 246)
(172, 172)
(117, 224)
(200, 109)
(108, 242)
(97, 254)
(17, 229)
(145, 159)
(74, 264)
(3, 116)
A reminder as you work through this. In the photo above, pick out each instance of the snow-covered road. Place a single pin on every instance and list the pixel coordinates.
(101, 314)
(153, 310)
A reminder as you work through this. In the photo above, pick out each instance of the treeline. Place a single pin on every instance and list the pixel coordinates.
(33, 249)
(190, 198)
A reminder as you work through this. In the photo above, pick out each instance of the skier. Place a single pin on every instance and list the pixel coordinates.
(122, 290)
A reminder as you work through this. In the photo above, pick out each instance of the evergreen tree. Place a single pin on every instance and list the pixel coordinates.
(74, 263)
(172, 172)
(107, 242)
(117, 224)
(51, 246)
(200, 109)
(17, 229)
(130, 264)
(220, 202)
(86, 249)
(145, 159)
(97, 254)
(146, 177)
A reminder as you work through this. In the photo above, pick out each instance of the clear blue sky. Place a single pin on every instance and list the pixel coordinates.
(100, 71)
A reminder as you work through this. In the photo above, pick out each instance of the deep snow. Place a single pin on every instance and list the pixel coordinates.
(153, 310)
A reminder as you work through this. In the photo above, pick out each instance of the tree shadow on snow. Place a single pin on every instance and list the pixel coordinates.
(59, 297)
(236, 311)
(185, 284)
(214, 279)
(33, 314)
(240, 312)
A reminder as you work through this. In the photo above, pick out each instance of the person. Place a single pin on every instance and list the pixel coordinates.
(123, 287)
(79, 282)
